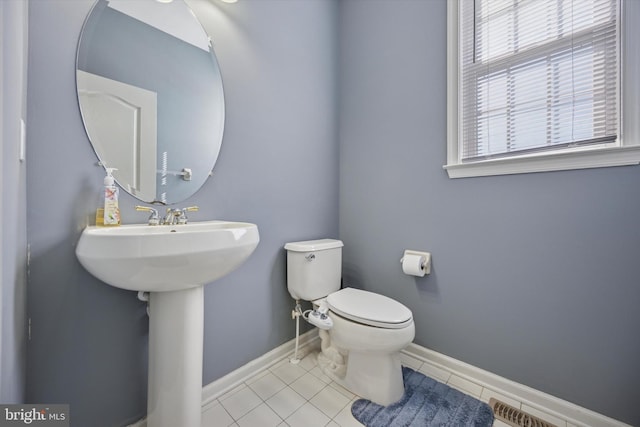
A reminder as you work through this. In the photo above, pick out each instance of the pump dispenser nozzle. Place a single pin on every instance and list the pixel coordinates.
(109, 179)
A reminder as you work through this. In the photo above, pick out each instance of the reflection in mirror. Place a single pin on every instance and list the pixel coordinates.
(151, 97)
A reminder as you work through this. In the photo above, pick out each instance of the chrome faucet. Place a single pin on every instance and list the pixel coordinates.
(178, 216)
(172, 217)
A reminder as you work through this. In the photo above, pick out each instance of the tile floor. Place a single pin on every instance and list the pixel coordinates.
(302, 396)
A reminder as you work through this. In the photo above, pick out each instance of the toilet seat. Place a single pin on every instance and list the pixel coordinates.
(369, 308)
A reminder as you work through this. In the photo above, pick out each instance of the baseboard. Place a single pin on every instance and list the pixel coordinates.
(213, 390)
(557, 407)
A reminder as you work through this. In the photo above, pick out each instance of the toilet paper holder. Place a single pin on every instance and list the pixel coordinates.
(426, 264)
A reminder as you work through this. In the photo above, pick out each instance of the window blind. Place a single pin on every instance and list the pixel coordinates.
(537, 75)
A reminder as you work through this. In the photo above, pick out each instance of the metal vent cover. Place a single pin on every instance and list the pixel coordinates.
(514, 416)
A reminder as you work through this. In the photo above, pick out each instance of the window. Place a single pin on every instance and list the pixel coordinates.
(536, 85)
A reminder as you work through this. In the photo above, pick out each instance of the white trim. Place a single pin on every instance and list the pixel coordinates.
(547, 403)
(557, 407)
(627, 153)
(584, 159)
(453, 68)
(213, 390)
(217, 388)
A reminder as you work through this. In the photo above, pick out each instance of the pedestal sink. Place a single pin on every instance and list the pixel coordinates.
(172, 263)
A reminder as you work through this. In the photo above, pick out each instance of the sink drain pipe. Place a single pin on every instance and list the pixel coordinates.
(144, 297)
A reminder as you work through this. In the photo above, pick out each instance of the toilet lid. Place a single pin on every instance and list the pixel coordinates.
(369, 308)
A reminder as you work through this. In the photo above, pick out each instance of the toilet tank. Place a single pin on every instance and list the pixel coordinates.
(314, 268)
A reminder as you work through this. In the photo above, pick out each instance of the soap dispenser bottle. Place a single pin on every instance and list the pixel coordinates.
(109, 214)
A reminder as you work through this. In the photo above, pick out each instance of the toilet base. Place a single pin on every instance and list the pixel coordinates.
(377, 377)
(365, 359)
(371, 375)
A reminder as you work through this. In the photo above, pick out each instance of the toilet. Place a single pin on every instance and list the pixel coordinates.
(361, 346)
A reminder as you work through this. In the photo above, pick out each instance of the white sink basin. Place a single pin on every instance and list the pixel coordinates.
(160, 259)
(166, 258)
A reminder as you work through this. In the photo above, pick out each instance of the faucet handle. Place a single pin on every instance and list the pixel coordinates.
(154, 218)
(182, 218)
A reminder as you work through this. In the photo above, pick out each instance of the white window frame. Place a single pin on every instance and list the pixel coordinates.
(625, 151)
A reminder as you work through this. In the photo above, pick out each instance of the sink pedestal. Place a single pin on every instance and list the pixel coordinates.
(176, 334)
(172, 263)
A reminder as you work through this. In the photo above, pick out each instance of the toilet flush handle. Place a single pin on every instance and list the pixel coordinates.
(310, 257)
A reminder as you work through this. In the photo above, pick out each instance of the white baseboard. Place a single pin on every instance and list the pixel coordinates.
(557, 407)
(213, 390)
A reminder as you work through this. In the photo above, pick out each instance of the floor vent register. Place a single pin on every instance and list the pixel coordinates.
(515, 417)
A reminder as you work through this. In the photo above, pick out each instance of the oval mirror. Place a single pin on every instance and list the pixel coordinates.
(151, 97)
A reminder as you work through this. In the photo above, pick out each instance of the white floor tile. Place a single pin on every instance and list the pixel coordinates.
(288, 372)
(262, 416)
(267, 385)
(232, 391)
(342, 390)
(310, 361)
(321, 375)
(286, 402)
(307, 416)
(307, 385)
(216, 416)
(241, 402)
(288, 395)
(330, 401)
(345, 418)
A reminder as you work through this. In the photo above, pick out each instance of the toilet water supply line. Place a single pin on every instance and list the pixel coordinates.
(317, 317)
(296, 314)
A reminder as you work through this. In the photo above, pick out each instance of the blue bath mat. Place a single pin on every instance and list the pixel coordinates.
(425, 403)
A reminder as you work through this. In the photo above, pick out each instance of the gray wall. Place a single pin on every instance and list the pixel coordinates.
(534, 276)
(13, 60)
(277, 168)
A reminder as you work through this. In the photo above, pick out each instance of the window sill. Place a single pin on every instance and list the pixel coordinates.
(605, 157)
